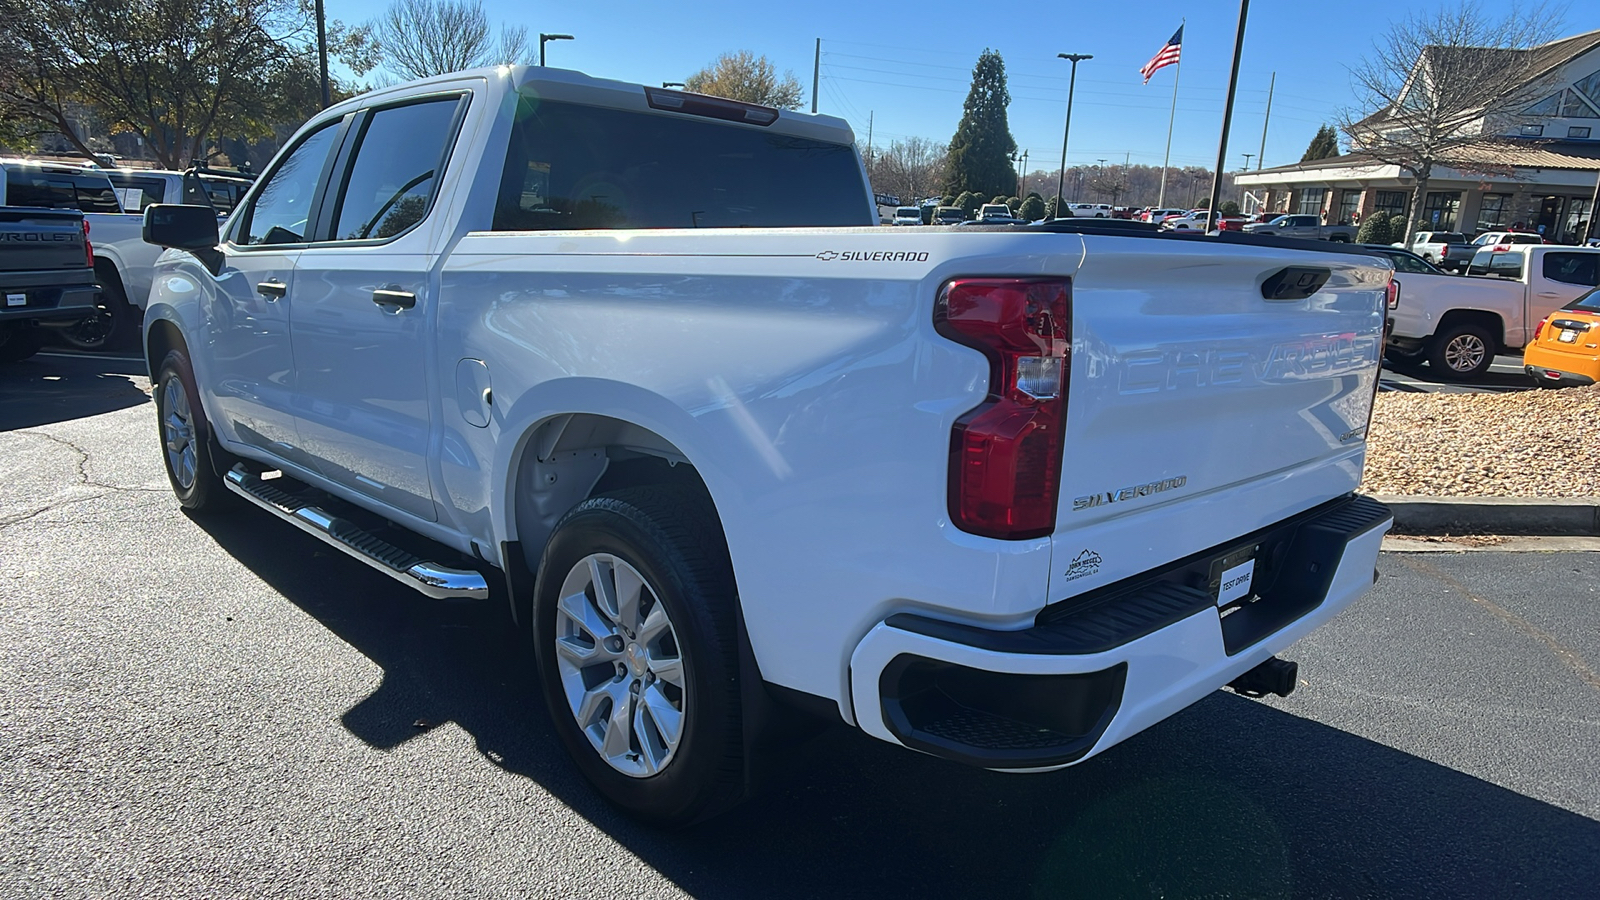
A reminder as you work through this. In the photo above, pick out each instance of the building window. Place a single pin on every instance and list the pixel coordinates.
(1311, 201)
(1578, 131)
(1492, 212)
(1349, 203)
(1532, 130)
(1439, 210)
(1390, 203)
(1576, 226)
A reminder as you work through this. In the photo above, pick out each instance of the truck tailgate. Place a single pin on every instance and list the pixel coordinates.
(1198, 409)
(40, 239)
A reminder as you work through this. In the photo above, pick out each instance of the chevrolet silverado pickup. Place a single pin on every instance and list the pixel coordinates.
(639, 361)
(1458, 324)
(46, 276)
(1305, 227)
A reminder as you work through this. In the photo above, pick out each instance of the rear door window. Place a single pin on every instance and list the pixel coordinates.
(398, 158)
(580, 167)
(1572, 268)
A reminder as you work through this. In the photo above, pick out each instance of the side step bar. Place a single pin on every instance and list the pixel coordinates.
(432, 579)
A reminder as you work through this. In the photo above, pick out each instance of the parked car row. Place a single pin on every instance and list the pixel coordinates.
(109, 201)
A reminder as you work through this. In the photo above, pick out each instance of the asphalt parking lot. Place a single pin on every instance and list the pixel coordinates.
(1505, 374)
(223, 707)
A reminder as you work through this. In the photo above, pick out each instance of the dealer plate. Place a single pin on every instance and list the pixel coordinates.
(1568, 337)
(16, 299)
(1233, 574)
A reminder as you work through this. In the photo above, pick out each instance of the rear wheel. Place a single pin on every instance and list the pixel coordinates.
(1461, 352)
(636, 636)
(18, 341)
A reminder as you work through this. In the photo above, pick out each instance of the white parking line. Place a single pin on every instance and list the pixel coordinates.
(70, 354)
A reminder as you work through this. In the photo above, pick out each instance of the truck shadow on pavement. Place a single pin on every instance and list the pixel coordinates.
(1230, 798)
(45, 390)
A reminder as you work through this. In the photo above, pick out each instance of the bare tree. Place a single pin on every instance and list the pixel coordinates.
(912, 169)
(747, 77)
(423, 38)
(1442, 89)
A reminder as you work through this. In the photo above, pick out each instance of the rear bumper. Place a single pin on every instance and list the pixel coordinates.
(42, 304)
(1101, 667)
(1552, 375)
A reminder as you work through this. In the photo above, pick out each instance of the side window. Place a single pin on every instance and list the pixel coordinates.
(1410, 264)
(25, 188)
(395, 172)
(95, 195)
(1572, 268)
(280, 211)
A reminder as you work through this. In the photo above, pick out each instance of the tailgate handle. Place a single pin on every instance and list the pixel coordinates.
(1294, 283)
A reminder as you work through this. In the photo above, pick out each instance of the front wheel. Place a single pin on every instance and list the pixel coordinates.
(186, 444)
(1461, 352)
(637, 643)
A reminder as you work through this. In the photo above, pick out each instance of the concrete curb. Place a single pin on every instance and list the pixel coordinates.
(1494, 515)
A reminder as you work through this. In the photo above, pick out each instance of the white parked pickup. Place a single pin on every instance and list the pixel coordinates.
(1459, 324)
(637, 362)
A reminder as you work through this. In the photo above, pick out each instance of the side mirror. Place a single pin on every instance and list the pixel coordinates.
(182, 227)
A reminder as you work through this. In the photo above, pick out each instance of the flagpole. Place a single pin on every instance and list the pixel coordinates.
(1177, 69)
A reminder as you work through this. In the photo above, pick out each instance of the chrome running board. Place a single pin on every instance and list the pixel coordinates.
(426, 576)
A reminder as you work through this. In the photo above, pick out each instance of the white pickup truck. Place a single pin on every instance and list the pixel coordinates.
(637, 360)
(1458, 324)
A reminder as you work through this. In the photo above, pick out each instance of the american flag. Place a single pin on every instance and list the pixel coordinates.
(1167, 56)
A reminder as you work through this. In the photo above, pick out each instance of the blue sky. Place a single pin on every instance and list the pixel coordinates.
(907, 66)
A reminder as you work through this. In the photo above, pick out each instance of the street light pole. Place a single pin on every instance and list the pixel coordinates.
(322, 55)
(1227, 106)
(1061, 180)
(545, 38)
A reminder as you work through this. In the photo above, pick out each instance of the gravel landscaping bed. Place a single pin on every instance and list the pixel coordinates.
(1540, 443)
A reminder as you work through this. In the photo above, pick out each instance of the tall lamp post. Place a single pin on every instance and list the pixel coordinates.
(1061, 180)
(322, 55)
(546, 38)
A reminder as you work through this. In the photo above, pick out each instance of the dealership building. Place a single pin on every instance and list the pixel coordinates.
(1547, 182)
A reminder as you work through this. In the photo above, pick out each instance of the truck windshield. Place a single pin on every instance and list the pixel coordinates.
(585, 167)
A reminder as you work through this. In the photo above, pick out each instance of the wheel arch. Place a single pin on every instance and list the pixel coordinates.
(1481, 317)
(562, 459)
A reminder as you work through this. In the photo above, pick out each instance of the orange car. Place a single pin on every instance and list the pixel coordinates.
(1565, 349)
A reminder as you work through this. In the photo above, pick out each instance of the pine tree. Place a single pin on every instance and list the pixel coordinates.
(1325, 145)
(981, 151)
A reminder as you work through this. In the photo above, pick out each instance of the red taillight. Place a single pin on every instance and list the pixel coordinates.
(1392, 295)
(1538, 330)
(1005, 454)
(88, 248)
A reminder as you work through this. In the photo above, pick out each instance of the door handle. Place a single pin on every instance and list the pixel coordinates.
(393, 296)
(273, 289)
(1549, 294)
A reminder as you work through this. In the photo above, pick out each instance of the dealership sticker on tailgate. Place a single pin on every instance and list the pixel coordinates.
(16, 299)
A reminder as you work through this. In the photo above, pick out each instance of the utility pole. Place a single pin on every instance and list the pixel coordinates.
(870, 114)
(816, 75)
(1227, 108)
(1066, 130)
(1271, 85)
(1247, 158)
(322, 55)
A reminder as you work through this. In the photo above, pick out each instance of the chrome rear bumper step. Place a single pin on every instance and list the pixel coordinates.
(426, 576)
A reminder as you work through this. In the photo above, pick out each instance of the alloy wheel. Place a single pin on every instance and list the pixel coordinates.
(620, 665)
(1465, 352)
(177, 433)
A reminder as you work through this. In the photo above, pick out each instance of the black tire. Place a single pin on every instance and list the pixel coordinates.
(1339, 239)
(1452, 352)
(108, 329)
(674, 541)
(201, 490)
(18, 341)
